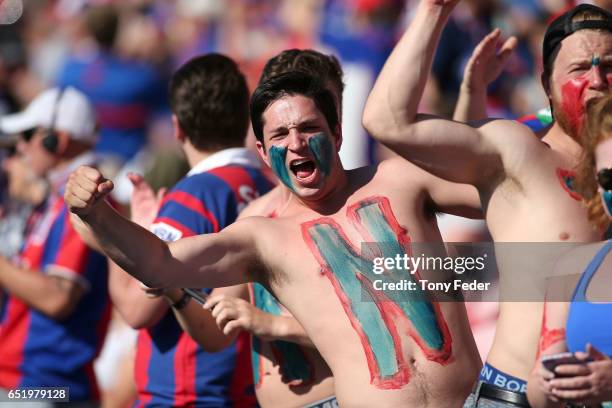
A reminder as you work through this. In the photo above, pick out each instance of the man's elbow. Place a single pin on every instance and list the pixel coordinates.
(59, 308)
(373, 121)
(212, 344)
(136, 316)
(383, 128)
(137, 321)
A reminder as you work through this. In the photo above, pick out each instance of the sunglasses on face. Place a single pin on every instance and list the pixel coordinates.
(604, 178)
(27, 134)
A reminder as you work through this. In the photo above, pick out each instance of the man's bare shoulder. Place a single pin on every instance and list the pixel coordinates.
(264, 205)
(508, 134)
(520, 149)
(399, 170)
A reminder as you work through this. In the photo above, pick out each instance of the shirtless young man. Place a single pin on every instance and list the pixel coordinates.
(382, 353)
(522, 180)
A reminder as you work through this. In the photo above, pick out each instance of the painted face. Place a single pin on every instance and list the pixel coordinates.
(603, 167)
(39, 160)
(300, 147)
(582, 72)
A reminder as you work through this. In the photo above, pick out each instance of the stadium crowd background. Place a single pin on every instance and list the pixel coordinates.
(62, 42)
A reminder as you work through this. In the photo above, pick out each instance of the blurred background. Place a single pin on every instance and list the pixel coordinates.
(122, 61)
(120, 53)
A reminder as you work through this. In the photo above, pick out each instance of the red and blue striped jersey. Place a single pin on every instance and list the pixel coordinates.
(171, 369)
(126, 94)
(36, 350)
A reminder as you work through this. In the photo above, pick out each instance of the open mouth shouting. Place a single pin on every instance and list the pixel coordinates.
(302, 169)
(305, 172)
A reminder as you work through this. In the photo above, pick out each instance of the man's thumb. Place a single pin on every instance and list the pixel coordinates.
(105, 187)
(595, 354)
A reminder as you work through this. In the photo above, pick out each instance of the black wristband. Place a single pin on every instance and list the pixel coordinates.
(182, 302)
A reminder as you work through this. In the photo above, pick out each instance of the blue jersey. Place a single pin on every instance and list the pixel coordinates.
(125, 95)
(171, 369)
(36, 350)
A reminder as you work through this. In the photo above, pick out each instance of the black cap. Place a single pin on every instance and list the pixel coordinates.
(563, 26)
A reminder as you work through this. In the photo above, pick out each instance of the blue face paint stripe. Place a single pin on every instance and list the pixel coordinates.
(321, 147)
(278, 156)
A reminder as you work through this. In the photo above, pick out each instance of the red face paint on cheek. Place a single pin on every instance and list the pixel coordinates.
(572, 104)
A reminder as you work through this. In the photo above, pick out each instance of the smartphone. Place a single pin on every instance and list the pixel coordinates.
(551, 362)
(198, 296)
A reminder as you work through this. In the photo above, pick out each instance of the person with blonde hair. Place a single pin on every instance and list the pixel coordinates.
(582, 327)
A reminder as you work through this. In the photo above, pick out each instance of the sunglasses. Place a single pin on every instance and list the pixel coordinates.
(604, 178)
(27, 134)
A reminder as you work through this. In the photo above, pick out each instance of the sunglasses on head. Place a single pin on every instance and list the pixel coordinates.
(604, 178)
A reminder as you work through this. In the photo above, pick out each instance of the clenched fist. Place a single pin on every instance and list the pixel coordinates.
(86, 187)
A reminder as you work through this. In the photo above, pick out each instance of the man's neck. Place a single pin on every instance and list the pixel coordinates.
(196, 156)
(333, 200)
(563, 143)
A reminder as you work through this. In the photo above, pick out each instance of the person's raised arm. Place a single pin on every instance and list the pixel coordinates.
(451, 150)
(211, 260)
(484, 66)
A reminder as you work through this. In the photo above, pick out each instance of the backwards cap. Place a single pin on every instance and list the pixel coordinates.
(563, 26)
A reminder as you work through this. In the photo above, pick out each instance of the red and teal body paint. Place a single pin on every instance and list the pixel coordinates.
(572, 94)
(567, 179)
(379, 318)
(294, 365)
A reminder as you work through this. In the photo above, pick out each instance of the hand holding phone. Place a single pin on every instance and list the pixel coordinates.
(553, 361)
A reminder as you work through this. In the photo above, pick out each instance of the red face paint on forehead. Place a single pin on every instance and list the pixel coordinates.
(572, 95)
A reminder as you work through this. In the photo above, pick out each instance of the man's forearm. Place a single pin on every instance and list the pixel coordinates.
(394, 100)
(52, 296)
(198, 323)
(132, 303)
(471, 105)
(135, 249)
